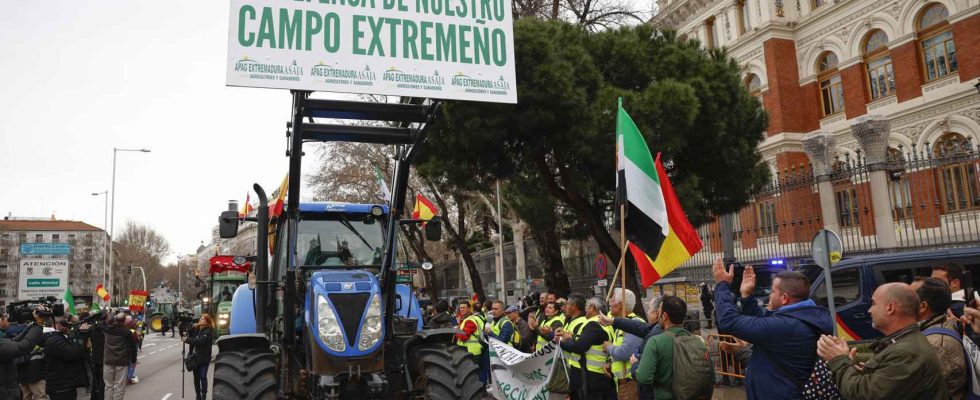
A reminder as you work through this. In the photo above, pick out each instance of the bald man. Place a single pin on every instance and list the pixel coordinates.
(904, 365)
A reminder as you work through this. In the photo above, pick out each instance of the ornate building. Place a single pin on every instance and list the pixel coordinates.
(874, 120)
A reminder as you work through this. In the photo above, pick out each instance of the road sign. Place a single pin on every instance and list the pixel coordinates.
(827, 250)
(45, 248)
(603, 283)
(601, 266)
(426, 48)
(42, 278)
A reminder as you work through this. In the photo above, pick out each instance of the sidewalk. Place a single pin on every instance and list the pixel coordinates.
(729, 393)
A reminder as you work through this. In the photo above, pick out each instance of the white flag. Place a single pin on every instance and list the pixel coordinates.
(519, 375)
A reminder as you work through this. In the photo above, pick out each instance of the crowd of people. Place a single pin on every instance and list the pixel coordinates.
(788, 346)
(59, 358)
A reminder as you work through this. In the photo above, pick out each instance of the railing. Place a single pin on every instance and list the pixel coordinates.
(726, 363)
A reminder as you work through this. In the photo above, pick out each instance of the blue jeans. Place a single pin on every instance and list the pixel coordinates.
(485, 366)
(201, 380)
(131, 372)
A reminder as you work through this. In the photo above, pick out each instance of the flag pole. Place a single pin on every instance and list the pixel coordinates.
(622, 253)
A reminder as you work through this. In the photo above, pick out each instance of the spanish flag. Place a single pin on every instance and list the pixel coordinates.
(101, 292)
(424, 209)
(247, 207)
(659, 235)
(276, 208)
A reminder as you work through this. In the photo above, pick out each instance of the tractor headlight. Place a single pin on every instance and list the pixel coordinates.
(328, 326)
(222, 319)
(371, 328)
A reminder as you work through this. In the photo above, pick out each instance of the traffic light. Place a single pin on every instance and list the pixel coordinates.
(129, 269)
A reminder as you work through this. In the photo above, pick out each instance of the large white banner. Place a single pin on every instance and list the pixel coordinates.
(42, 277)
(444, 49)
(522, 376)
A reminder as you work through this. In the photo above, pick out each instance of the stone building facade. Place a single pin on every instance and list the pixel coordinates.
(874, 110)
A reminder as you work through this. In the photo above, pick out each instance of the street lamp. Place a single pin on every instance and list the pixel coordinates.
(141, 273)
(105, 226)
(112, 214)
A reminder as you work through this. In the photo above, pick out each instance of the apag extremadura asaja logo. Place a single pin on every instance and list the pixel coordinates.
(343, 76)
(257, 70)
(403, 79)
(477, 85)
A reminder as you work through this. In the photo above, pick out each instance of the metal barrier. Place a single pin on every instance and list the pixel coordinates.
(726, 363)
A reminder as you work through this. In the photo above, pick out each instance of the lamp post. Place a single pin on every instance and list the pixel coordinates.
(105, 227)
(144, 276)
(112, 213)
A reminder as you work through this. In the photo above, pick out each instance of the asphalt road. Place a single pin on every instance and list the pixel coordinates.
(159, 371)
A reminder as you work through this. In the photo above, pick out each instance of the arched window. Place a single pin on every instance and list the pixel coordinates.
(958, 180)
(753, 84)
(881, 76)
(831, 88)
(938, 50)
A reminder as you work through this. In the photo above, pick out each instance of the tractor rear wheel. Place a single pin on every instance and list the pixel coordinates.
(248, 374)
(447, 371)
(156, 323)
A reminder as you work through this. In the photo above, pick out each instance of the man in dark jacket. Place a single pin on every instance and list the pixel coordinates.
(120, 351)
(784, 337)
(441, 317)
(64, 363)
(10, 350)
(95, 339)
(583, 337)
(904, 365)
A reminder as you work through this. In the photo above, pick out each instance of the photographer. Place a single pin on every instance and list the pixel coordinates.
(200, 340)
(10, 350)
(64, 362)
(94, 339)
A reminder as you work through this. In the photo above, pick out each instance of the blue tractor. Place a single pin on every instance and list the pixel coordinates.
(325, 319)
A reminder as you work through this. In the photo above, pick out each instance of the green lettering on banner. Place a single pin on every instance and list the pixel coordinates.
(331, 38)
(393, 24)
(266, 28)
(461, 9)
(426, 39)
(499, 47)
(376, 35)
(358, 34)
(464, 43)
(422, 6)
(313, 26)
(402, 6)
(43, 282)
(498, 10)
(485, 10)
(446, 43)
(481, 46)
(388, 4)
(244, 40)
(409, 32)
(289, 31)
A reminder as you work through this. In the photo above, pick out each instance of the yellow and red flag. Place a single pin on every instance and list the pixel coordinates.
(659, 235)
(247, 207)
(280, 202)
(101, 292)
(424, 209)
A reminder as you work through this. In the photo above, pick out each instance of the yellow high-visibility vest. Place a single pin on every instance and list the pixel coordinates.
(515, 338)
(541, 339)
(575, 328)
(473, 344)
(621, 369)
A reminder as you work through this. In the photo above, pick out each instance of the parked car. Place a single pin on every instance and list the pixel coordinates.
(855, 279)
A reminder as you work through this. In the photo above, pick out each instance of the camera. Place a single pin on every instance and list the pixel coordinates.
(23, 311)
(184, 320)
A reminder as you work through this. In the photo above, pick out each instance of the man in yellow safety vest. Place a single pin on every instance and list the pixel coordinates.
(582, 338)
(501, 328)
(623, 345)
(471, 325)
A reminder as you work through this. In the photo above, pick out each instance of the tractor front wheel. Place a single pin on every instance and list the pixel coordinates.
(446, 371)
(248, 374)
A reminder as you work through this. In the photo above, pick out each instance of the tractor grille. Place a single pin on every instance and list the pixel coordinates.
(350, 307)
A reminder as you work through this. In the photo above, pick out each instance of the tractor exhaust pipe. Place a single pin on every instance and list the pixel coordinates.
(261, 260)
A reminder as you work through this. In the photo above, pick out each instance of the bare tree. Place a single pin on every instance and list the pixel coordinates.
(138, 245)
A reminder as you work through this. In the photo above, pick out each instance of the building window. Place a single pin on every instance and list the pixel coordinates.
(958, 181)
(754, 85)
(765, 214)
(847, 207)
(88, 254)
(22, 237)
(831, 88)
(743, 16)
(3, 271)
(881, 76)
(938, 50)
(38, 238)
(711, 33)
(817, 3)
(88, 269)
(55, 238)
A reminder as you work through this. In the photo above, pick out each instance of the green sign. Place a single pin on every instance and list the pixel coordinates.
(458, 49)
(404, 279)
(43, 282)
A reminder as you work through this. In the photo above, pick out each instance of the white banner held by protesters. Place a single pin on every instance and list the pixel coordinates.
(521, 376)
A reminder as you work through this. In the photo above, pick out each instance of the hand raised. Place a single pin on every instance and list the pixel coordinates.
(748, 282)
(720, 273)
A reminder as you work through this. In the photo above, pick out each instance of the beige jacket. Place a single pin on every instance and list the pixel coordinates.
(950, 354)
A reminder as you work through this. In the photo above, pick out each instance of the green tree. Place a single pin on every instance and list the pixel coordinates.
(689, 103)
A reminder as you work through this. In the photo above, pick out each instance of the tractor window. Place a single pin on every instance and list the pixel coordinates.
(847, 288)
(340, 241)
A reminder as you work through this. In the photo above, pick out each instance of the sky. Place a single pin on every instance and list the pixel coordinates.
(80, 78)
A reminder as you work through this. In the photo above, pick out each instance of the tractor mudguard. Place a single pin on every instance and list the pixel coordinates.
(242, 311)
(241, 342)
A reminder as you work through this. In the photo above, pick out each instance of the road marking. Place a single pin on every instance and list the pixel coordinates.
(149, 344)
(142, 356)
(167, 396)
